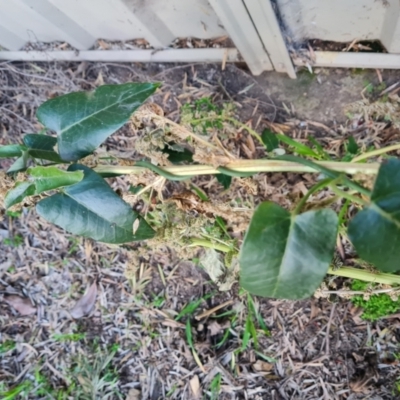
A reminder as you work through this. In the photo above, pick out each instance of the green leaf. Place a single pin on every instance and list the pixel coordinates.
(42, 146)
(18, 193)
(287, 256)
(299, 148)
(270, 140)
(247, 333)
(84, 120)
(319, 149)
(352, 146)
(224, 180)
(48, 178)
(20, 163)
(189, 335)
(375, 231)
(11, 150)
(178, 154)
(92, 209)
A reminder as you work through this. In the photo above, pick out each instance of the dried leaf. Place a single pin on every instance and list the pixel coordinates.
(133, 394)
(215, 328)
(22, 304)
(223, 276)
(85, 304)
(262, 366)
(195, 386)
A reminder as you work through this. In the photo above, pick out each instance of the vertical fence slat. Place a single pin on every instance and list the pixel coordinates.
(236, 20)
(267, 26)
(74, 33)
(9, 40)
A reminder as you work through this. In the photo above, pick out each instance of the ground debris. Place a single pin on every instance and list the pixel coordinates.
(133, 342)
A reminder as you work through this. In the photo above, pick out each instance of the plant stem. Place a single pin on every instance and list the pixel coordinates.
(254, 166)
(348, 196)
(366, 276)
(206, 243)
(315, 188)
(376, 152)
(347, 272)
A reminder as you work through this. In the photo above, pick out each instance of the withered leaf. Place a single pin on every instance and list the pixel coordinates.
(195, 386)
(86, 303)
(22, 304)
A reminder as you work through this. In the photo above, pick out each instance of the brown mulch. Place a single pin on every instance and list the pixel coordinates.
(317, 349)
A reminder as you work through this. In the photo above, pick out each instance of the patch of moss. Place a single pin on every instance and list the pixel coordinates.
(377, 306)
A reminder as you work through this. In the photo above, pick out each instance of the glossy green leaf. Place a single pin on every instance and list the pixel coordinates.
(375, 231)
(270, 140)
(42, 146)
(287, 256)
(48, 178)
(20, 163)
(11, 150)
(92, 209)
(224, 180)
(84, 120)
(352, 146)
(178, 154)
(18, 193)
(298, 147)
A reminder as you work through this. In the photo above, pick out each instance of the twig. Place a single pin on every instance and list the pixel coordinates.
(213, 310)
(328, 328)
(360, 292)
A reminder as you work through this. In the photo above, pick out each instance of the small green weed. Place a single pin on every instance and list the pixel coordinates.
(15, 392)
(74, 244)
(191, 307)
(69, 337)
(377, 306)
(14, 241)
(203, 115)
(13, 214)
(215, 387)
(7, 346)
(250, 330)
(97, 377)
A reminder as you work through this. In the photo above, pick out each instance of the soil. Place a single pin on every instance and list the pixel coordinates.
(317, 348)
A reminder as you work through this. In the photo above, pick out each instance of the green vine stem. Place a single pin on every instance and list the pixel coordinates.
(210, 245)
(367, 276)
(253, 166)
(375, 153)
(320, 185)
(347, 195)
(346, 272)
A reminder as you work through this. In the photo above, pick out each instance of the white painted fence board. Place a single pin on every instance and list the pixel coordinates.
(9, 40)
(390, 34)
(27, 22)
(336, 20)
(237, 22)
(72, 32)
(188, 18)
(267, 26)
(110, 20)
